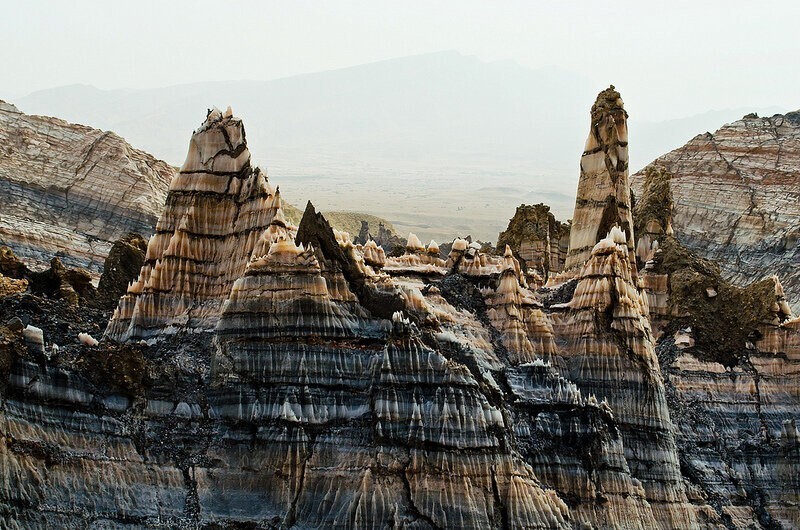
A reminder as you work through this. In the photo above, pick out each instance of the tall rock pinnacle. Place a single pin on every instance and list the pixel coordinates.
(604, 197)
(216, 209)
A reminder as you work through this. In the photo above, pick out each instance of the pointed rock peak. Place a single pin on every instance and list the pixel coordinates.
(508, 253)
(433, 248)
(343, 237)
(604, 197)
(315, 229)
(414, 244)
(609, 243)
(279, 218)
(213, 115)
(218, 146)
(617, 235)
(460, 245)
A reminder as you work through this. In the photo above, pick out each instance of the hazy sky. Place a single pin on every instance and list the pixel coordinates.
(669, 59)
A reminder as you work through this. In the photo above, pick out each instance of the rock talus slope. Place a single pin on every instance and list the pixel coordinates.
(737, 198)
(72, 190)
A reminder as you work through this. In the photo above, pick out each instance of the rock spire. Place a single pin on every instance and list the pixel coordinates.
(604, 197)
(216, 209)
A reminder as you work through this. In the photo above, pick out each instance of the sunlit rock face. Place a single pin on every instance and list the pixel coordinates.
(737, 199)
(603, 198)
(215, 211)
(72, 190)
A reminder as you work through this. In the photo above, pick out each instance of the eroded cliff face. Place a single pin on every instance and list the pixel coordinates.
(729, 359)
(263, 375)
(737, 198)
(72, 190)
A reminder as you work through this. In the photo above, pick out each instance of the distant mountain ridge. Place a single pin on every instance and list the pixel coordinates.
(416, 140)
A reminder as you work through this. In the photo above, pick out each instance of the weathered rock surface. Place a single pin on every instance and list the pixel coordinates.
(121, 267)
(216, 209)
(604, 198)
(263, 375)
(729, 360)
(535, 236)
(72, 190)
(737, 198)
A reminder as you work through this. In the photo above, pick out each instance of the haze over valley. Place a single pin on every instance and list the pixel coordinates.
(441, 144)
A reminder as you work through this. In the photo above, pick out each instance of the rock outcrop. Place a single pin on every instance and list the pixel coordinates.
(536, 237)
(72, 191)
(729, 362)
(603, 199)
(736, 198)
(120, 269)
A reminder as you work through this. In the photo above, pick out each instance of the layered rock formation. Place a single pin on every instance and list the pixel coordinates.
(216, 209)
(729, 361)
(72, 190)
(263, 375)
(603, 191)
(736, 197)
(537, 238)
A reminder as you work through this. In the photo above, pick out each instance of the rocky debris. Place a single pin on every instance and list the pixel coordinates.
(10, 264)
(10, 286)
(603, 198)
(34, 340)
(121, 267)
(73, 285)
(737, 200)
(537, 239)
(71, 191)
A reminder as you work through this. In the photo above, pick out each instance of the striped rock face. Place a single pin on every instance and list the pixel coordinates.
(73, 190)
(290, 378)
(603, 198)
(737, 198)
(215, 212)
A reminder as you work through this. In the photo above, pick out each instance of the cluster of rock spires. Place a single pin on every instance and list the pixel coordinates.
(258, 374)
